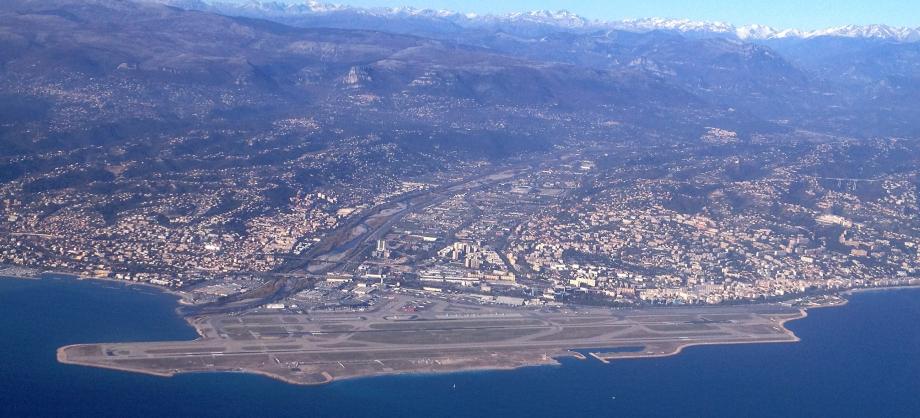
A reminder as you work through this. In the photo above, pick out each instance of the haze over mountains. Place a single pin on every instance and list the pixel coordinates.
(317, 13)
(864, 69)
(862, 85)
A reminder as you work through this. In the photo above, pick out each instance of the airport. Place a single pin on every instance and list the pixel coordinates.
(441, 337)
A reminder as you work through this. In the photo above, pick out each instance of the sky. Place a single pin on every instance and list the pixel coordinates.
(799, 14)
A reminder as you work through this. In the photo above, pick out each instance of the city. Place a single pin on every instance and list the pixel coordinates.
(598, 227)
(219, 208)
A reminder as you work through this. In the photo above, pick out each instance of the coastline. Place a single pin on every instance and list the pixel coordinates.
(679, 347)
(62, 358)
(18, 277)
(599, 356)
(17, 272)
(182, 296)
(845, 294)
(551, 361)
(878, 289)
(671, 348)
(177, 293)
(567, 380)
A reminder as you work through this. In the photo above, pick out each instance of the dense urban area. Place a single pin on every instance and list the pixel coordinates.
(589, 223)
(251, 164)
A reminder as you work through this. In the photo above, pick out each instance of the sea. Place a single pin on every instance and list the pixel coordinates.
(859, 360)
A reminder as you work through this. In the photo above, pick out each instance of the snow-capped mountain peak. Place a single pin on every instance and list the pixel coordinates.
(563, 20)
(755, 32)
(870, 31)
(677, 25)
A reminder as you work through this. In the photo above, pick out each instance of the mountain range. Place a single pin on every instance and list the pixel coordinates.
(123, 100)
(323, 13)
(836, 76)
(77, 73)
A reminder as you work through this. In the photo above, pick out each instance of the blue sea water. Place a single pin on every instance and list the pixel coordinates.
(860, 360)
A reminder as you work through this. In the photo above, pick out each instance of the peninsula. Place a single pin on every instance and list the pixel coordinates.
(443, 336)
